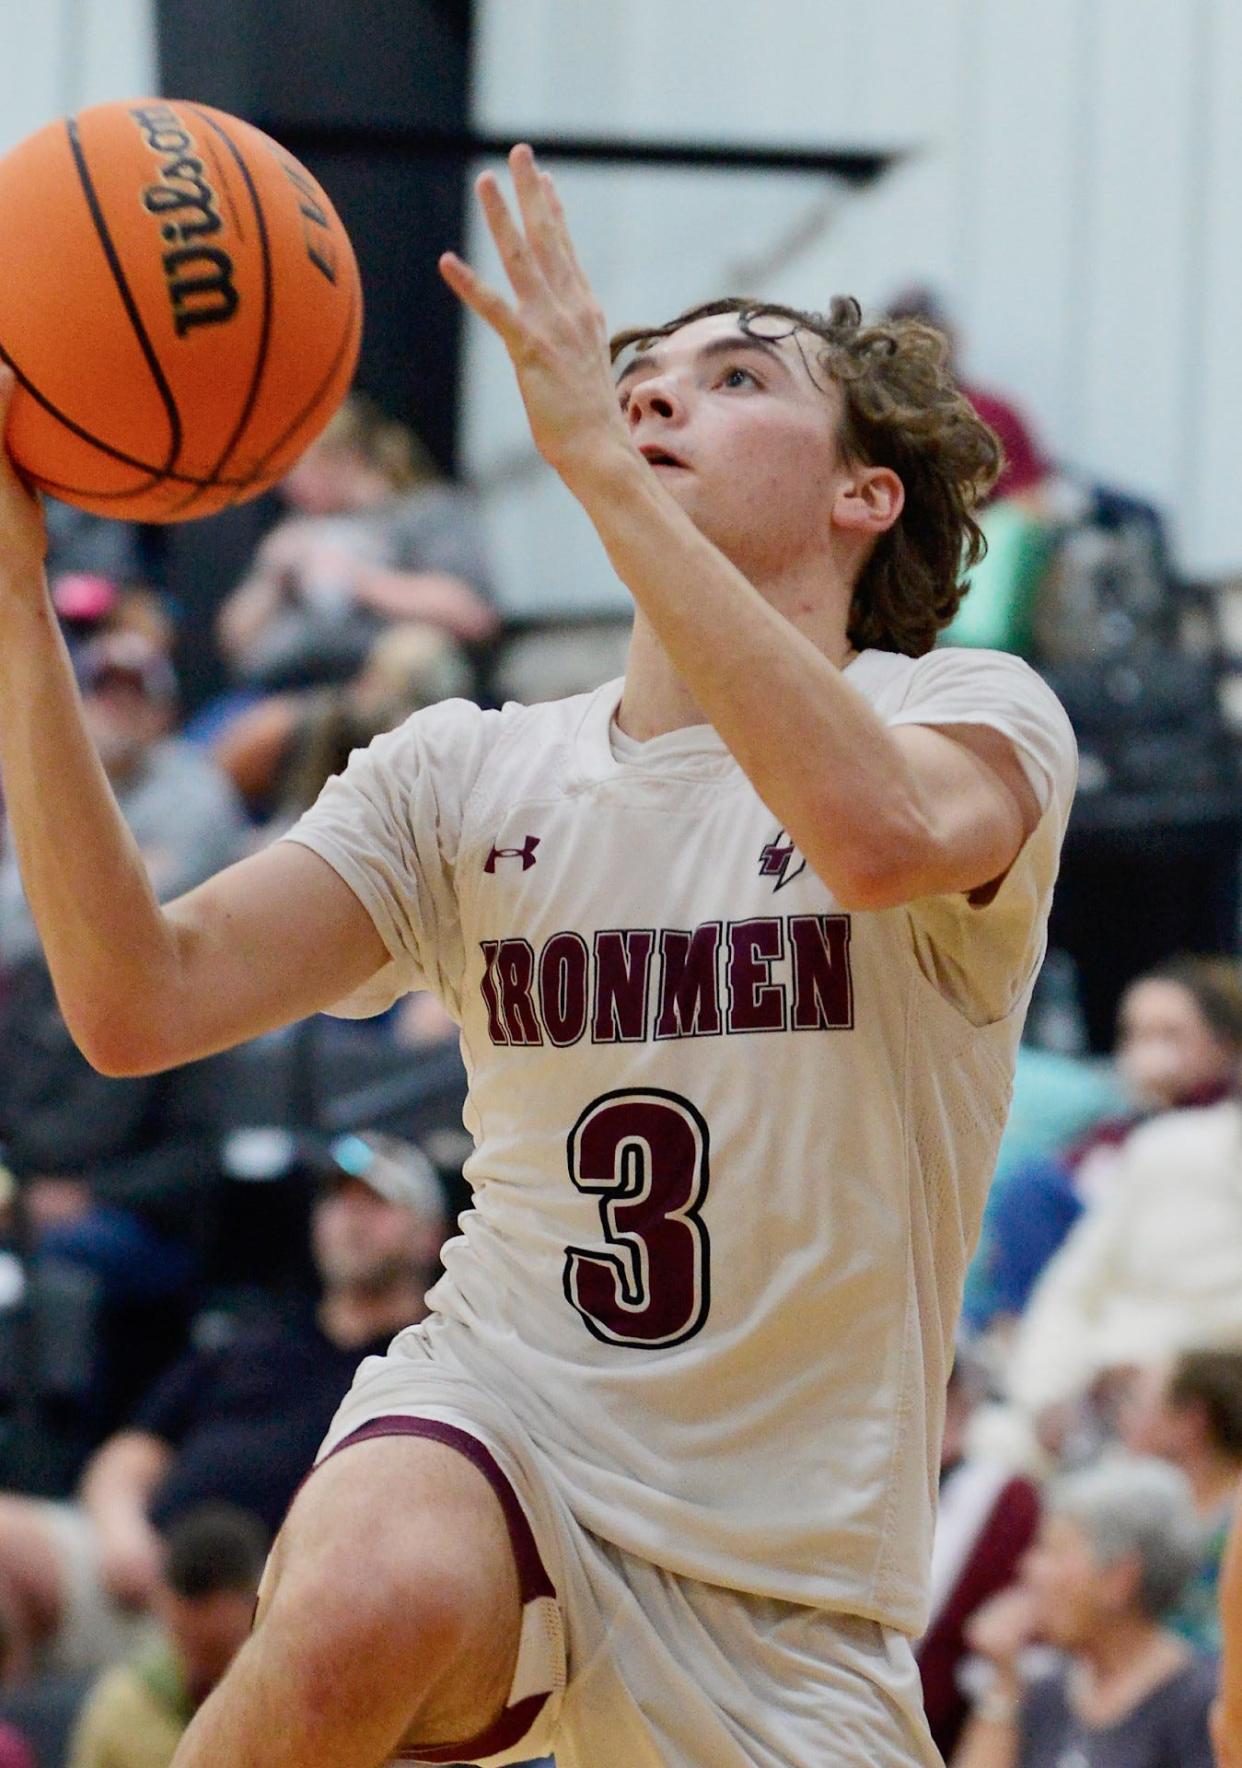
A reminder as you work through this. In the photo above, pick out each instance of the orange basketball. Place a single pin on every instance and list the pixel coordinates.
(180, 304)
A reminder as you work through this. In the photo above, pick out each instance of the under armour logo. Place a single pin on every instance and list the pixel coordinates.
(526, 853)
(775, 860)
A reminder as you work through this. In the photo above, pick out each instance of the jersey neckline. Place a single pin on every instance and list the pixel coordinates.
(696, 750)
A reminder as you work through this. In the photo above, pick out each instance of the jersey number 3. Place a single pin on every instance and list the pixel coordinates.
(644, 1154)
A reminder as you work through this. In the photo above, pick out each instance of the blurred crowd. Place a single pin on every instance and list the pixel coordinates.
(192, 1264)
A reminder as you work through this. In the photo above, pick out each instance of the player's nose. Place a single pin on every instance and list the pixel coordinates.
(656, 396)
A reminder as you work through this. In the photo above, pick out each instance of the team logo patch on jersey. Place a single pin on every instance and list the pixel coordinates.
(777, 860)
(526, 853)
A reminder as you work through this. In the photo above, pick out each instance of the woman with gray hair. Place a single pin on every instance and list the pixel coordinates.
(1118, 1542)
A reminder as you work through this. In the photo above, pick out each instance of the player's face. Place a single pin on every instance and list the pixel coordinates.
(742, 431)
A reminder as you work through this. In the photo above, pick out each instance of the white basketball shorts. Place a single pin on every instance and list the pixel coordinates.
(623, 1664)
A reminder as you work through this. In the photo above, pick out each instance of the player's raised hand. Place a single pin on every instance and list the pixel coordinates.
(553, 327)
(23, 538)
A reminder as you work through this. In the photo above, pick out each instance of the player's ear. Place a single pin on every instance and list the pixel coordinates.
(869, 500)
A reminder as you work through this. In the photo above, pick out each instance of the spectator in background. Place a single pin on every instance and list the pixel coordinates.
(1026, 469)
(985, 1521)
(1116, 1547)
(182, 812)
(1189, 1411)
(280, 751)
(80, 542)
(117, 1175)
(1152, 1268)
(202, 1607)
(375, 536)
(237, 1424)
(1179, 1045)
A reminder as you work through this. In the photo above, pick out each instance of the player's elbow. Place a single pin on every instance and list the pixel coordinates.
(884, 866)
(120, 1045)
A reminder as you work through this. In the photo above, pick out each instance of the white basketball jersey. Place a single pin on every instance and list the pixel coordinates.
(732, 1143)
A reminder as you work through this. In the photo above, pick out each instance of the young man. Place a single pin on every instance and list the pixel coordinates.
(740, 948)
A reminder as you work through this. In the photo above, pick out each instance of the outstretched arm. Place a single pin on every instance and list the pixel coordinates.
(142, 987)
(882, 815)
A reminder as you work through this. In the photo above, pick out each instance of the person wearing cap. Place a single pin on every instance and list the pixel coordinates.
(117, 1176)
(237, 1423)
(180, 808)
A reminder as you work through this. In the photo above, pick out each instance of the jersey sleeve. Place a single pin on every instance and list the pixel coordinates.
(390, 827)
(959, 686)
(983, 954)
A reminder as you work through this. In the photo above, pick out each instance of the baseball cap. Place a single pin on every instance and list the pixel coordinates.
(394, 1169)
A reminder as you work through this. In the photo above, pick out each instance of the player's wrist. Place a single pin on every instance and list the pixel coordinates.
(25, 600)
(601, 462)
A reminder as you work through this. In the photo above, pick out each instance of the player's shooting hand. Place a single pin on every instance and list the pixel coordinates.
(553, 329)
(23, 538)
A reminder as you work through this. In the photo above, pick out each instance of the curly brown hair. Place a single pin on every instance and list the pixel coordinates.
(901, 410)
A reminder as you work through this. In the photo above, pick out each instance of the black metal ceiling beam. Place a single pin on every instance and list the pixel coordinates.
(857, 166)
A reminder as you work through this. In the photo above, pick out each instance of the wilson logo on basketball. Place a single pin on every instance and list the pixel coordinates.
(200, 277)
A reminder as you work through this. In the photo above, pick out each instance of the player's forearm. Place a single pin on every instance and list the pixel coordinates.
(816, 753)
(101, 928)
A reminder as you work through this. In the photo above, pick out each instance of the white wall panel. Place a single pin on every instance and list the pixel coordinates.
(1136, 266)
(57, 55)
(1073, 186)
(1212, 437)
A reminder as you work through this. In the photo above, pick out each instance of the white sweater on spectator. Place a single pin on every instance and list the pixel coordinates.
(1152, 1268)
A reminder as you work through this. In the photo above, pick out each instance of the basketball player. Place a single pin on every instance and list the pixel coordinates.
(740, 948)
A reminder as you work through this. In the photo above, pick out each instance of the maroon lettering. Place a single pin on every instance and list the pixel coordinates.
(689, 991)
(491, 1000)
(563, 987)
(513, 967)
(756, 1003)
(622, 965)
(823, 993)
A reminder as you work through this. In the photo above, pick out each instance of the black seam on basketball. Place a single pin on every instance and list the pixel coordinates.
(348, 340)
(123, 289)
(239, 486)
(265, 331)
(150, 473)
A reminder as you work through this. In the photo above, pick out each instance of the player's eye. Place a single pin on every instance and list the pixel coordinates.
(736, 376)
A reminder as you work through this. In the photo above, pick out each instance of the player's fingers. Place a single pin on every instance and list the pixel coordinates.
(482, 299)
(559, 224)
(521, 266)
(8, 383)
(538, 218)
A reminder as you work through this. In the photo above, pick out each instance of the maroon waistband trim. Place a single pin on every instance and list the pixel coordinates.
(533, 1579)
